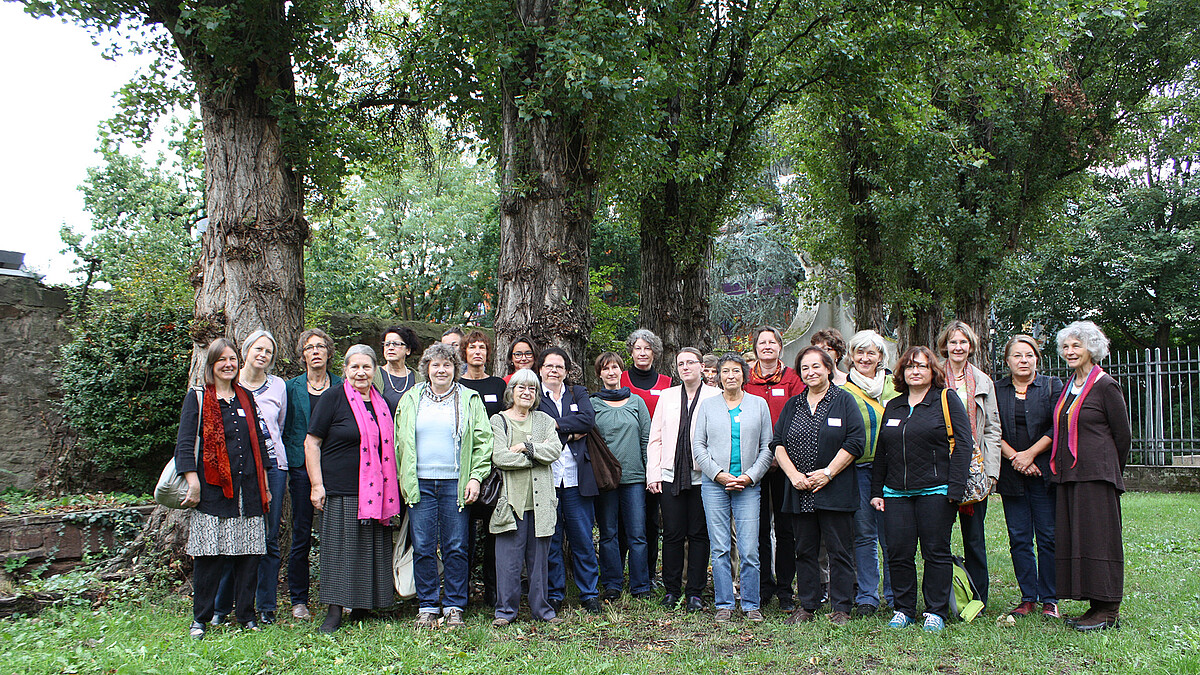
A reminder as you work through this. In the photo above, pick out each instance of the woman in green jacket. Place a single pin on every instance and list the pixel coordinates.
(444, 448)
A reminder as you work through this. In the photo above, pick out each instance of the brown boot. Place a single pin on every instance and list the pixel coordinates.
(1072, 620)
(1105, 615)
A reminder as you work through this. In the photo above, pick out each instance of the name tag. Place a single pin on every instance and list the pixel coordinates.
(241, 413)
(738, 419)
(574, 407)
(835, 421)
(656, 392)
(893, 423)
(777, 392)
(489, 398)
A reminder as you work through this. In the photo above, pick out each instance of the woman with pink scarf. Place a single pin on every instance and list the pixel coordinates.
(350, 452)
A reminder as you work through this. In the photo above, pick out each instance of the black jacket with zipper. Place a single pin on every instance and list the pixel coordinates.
(914, 451)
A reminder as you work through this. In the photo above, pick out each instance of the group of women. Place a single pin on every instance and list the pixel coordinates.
(816, 470)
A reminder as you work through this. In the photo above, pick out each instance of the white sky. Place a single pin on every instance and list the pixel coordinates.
(57, 90)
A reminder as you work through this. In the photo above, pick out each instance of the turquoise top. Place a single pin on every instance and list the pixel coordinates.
(735, 458)
(923, 492)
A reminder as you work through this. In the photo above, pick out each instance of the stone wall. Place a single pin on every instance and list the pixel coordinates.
(33, 326)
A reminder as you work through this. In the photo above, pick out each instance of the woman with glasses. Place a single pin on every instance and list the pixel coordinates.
(917, 484)
(303, 391)
(394, 377)
(520, 355)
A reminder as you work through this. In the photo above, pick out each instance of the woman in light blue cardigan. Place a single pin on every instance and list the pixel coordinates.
(730, 488)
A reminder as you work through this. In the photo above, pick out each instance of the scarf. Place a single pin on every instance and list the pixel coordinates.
(969, 380)
(378, 491)
(1072, 417)
(216, 454)
(613, 394)
(871, 387)
(683, 443)
(757, 377)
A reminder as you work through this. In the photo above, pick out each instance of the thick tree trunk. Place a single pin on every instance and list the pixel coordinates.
(547, 204)
(975, 309)
(674, 301)
(870, 307)
(250, 274)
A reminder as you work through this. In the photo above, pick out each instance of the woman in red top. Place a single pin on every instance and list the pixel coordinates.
(776, 383)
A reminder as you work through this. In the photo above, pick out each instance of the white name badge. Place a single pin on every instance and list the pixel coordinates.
(835, 421)
(893, 423)
(574, 407)
(656, 392)
(241, 412)
(738, 419)
(777, 392)
(489, 398)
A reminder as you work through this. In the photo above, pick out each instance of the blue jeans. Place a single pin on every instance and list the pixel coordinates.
(719, 506)
(300, 490)
(627, 505)
(1026, 515)
(868, 529)
(268, 565)
(576, 514)
(436, 521)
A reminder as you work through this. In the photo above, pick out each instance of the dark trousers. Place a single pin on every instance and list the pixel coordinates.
(975, 547)
(516, 549)
(929, 520)
(207, 571)
(653, 531)
(778, 568)
(482, 514)
(836, 530)
(684, 523)
(1025, 515)
(268, 565)
(302, 523)
(576, 520)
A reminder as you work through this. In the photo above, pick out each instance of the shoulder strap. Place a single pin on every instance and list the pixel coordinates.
(199, 420)
(946, 416)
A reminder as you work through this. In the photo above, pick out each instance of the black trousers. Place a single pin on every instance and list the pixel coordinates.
(778, 569)
(653, 530)
(481, 515)
(206, 576)
(683, 523)
(836, 530)
(975, 548)
(929, 520)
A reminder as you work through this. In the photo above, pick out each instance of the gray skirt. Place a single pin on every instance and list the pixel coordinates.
(211, 535)
(356, 560)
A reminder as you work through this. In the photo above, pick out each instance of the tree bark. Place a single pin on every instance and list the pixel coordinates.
(547, 204)
(975, 308)
(870, 307)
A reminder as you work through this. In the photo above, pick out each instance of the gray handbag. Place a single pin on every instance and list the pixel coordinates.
(172, 488)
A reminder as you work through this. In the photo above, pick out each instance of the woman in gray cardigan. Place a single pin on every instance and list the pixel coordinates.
(730, 486)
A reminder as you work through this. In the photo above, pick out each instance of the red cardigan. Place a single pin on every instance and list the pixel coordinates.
(776, 394)
(650, 396)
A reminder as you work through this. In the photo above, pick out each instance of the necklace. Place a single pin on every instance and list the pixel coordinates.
(438, 398)
(392, 384)
(317, 389)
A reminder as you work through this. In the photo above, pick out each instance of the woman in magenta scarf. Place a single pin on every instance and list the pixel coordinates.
(1087, 456)
(350, 452)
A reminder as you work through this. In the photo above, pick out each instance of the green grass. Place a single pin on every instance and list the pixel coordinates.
(1160, 634)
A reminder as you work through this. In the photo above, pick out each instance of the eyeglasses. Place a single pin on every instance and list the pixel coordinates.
(522, 355)
(917, 366)
(549, 366)
(394, 343)
(318, 347)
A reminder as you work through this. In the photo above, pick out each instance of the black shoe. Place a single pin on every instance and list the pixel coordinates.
(266, 618)
(251, 625)
(669, 601)
(591, 605)
(611, 595)
(641, 596)
(359, 614)
(196, 631)
(333, 620)
(219, 619)
(695, 604)
(787, 604)
(555, 605)
(866, 610)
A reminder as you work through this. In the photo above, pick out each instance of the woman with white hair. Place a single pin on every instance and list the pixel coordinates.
(1087, 456)
(350, 453)
(872, 387)
(444, 446)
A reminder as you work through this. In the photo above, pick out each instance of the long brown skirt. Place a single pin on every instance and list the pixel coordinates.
(1089, 559)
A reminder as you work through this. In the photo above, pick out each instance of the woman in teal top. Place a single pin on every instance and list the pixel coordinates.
(624, 421)
(731, 447)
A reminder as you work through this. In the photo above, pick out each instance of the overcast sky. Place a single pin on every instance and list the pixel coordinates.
(58, 89)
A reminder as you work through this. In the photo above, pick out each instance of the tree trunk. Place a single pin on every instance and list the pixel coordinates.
(870, 308)
(974, 309)
(547, 203)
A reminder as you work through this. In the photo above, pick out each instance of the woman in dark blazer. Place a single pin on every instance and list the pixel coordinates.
(574, 482)
(1026, 404)
(1087, 456)
(820, 433)
(315, 349)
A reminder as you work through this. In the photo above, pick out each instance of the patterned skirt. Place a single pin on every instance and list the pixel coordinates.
(211, 535)
(356, 560)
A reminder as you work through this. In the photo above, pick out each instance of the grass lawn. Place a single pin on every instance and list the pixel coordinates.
(1160, 633)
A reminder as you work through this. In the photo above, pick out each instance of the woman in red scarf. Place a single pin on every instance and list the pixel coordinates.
(350, 452)
(221, 452)
(1087, 456)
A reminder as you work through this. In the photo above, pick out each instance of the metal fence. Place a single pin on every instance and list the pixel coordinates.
(1161, 390)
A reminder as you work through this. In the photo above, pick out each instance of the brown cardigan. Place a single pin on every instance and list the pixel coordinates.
(1104, 437)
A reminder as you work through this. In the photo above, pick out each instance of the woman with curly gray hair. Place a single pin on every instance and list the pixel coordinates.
(1087, 456)
(444, 450)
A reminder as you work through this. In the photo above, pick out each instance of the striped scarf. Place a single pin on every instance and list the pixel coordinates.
(1072, 417)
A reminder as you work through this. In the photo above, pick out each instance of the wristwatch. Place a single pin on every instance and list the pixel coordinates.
(828, 473)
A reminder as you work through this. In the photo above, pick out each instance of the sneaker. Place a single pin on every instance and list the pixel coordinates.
(1024, 608)
(754, 615)
(933, 623)
(454, 618)
(865, 609)
(1050, 610)
(724, 616)
(839, 618)
(695, 604)
(196, 631)
(426, 620)
(900, 620)
(301, 612)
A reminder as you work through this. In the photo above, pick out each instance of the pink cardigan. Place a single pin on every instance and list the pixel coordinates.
(664, 432)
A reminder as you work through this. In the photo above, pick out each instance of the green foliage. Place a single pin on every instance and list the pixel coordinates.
(754, 277)
(613, 320)
(123, 377)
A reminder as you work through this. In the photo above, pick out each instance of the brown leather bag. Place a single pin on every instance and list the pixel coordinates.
(605, 466)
